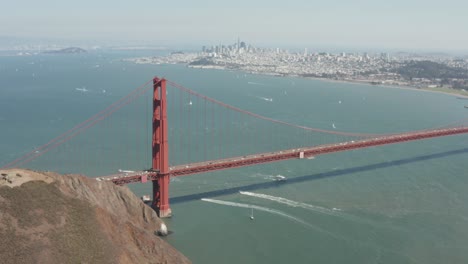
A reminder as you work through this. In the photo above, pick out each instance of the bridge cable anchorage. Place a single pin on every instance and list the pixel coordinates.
(83, 126)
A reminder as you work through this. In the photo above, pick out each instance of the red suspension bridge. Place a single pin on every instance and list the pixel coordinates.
(201, 127)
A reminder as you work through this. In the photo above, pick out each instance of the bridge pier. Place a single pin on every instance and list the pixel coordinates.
(160, 153)
(161, 196)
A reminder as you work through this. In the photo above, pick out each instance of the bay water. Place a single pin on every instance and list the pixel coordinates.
(402, 203)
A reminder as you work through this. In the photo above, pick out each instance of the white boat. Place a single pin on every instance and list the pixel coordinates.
(190, 103)
(126, 171)
(146, 198)
(279, 178)
(84, 90)
(251, 214)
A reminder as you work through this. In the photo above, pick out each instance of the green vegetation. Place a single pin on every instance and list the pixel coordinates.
(456, 78)
(431, 70)
(448, 90)
(202, 61)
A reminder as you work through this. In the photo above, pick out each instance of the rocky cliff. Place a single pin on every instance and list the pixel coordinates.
(51, 218)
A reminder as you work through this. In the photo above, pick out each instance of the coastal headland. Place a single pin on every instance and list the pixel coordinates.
(52, 218)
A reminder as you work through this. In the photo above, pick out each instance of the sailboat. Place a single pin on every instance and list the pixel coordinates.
(251, 214)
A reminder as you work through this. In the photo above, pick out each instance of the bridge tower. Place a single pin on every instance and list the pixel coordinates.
(160, 153)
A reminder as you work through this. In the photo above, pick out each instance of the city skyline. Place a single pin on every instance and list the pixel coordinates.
(409, 25)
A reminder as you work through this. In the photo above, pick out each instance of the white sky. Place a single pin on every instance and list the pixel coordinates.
(389, 24)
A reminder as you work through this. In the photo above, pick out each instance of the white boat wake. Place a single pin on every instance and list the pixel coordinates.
(265, 99)
(292, 203)
(333, 212)
(256, 83)
(273, 211)
(82, 89)
(298, 220)
(256, 207)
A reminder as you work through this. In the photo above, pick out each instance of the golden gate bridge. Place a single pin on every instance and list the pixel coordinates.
(213, 120)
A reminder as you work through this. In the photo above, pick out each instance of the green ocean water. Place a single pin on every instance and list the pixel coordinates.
(403, 203)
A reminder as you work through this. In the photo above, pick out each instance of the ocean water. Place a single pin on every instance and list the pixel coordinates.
(402, 203)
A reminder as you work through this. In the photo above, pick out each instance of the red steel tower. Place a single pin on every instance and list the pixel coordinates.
(160, 149)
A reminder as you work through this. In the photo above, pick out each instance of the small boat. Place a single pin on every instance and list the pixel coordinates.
(146, 198)
(125, 171)
(279, 178)
(84, 90)
(251, 214)
(466, 106)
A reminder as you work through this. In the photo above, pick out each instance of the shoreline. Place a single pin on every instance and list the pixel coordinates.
(452, 92)
(446, 91)
(402, 87)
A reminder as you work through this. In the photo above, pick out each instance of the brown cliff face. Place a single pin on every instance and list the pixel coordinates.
(51, 218)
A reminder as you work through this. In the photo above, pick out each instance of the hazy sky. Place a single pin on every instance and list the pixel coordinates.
(387, 24)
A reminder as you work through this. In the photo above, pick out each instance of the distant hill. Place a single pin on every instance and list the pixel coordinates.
(50, 218)
(430, 70)
(202, 61)
(70, 50)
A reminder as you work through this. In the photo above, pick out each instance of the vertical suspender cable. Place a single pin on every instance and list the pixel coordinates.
(172, 117)
(204, 131)
(189, 130)
(181, 149)
(213, 146)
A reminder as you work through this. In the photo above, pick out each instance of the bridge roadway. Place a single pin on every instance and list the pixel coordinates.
(307, 152)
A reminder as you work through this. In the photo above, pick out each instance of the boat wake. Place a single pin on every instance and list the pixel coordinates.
(259, 208)
(269, 176)
(82, 89)
(273, 211)
(265, 99)
(333, 212)
(292, 203)
(256, 83)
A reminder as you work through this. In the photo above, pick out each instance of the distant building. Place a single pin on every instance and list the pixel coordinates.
(366, 56)
(385, 56)
(242, 45)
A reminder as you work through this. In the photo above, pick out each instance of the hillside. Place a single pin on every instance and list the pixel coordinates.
(431, 70)
(51, 218)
